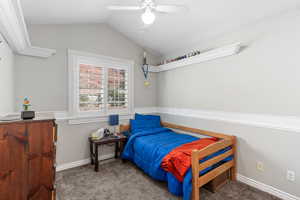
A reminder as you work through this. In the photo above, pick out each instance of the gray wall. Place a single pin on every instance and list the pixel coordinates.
(45, 81)
(6, 78)
(263, 78)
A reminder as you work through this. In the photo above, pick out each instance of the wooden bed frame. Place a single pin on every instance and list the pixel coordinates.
(197, 155)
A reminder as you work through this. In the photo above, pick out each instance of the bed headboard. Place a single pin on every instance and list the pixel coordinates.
(126, 127)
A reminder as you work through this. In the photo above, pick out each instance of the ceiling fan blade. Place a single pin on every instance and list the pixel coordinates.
(119, 7)
(170, 8)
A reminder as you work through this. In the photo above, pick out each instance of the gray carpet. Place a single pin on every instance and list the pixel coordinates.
(124, 181)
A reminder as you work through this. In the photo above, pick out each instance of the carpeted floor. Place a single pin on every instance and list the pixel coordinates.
(124, 181)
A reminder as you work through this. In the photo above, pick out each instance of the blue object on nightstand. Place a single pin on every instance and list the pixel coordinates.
(113, 120)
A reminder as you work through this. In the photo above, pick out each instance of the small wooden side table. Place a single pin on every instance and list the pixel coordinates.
(119, 141)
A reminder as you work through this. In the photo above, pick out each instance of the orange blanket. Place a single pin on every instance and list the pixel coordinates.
(178, 161)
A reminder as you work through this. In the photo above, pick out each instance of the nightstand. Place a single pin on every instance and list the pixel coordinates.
(119, 141)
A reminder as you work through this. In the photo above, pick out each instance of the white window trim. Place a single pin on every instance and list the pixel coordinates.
(74, 58)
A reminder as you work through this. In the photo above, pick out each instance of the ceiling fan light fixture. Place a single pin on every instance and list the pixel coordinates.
(148, 17)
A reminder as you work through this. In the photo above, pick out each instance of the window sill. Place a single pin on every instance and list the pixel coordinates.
(75, 120)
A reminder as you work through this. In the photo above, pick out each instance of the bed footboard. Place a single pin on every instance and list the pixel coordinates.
(197, 155)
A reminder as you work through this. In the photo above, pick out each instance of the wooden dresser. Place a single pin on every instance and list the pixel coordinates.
(27, 160)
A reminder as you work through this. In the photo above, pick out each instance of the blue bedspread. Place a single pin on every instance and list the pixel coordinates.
(147, 149)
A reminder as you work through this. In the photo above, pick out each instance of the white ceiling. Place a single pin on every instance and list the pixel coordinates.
(206, 19)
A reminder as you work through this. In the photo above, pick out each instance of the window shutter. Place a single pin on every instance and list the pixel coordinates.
(91, 88)
(117, 89)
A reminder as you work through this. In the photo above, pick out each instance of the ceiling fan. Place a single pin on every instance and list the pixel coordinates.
(149, 8)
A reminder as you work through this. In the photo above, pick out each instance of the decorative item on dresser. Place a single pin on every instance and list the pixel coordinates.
(26, 114)
(27, 160)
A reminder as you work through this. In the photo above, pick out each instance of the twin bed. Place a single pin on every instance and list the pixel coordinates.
(149, 144)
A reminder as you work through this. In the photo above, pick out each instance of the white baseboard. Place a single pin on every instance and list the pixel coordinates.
(266, 188)
(81, 162)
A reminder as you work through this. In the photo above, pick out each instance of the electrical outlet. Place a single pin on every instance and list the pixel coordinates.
(260, 166)
(290, 175)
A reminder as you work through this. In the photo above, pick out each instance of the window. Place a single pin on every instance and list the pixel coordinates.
(99, 85)
(117, 89)
(91, 88)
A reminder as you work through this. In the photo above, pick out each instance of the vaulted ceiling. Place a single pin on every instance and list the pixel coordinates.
(205, 20)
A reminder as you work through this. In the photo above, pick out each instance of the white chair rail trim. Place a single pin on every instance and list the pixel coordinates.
(287, 123)
(61, 116)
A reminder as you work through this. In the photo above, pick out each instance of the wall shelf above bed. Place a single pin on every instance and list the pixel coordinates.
(203, 57)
